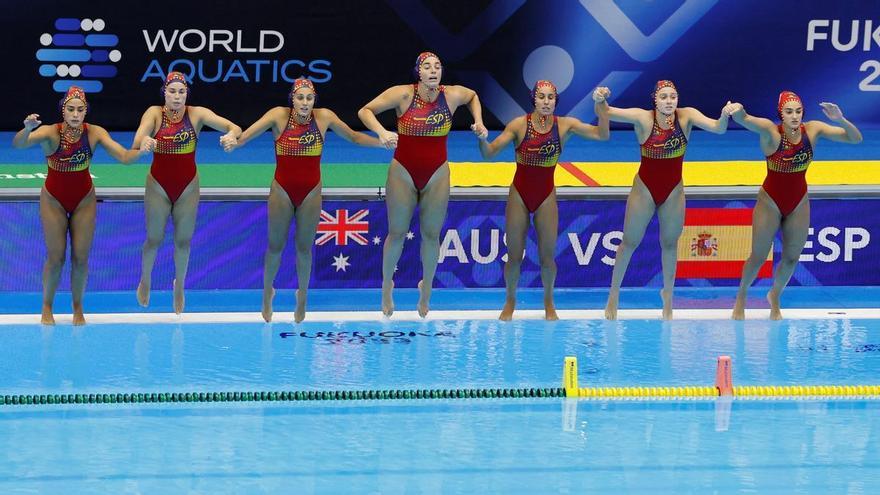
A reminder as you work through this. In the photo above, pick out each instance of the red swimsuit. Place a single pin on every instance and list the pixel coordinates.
(174, 159)
(298, 158)
(786, 181)
(69, 180)
(662, 157)
(422, 131)
(536, 158)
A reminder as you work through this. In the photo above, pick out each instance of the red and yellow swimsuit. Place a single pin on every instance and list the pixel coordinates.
(536, 158)
(174, 159)
(69, 180)
(786, 181)
(298, 158)
(422, 132)
(662, 158)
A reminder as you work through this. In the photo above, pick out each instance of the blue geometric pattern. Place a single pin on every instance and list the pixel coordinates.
(506, 97)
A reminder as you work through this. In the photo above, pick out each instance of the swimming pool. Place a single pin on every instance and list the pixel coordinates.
(529, 445)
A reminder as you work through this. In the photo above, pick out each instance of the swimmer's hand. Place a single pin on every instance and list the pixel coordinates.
(831, 111)
(480, 131)
(388, 140)
(148, 144)
(732, 108)
(229, 142)
(32, 121)
(601, 94)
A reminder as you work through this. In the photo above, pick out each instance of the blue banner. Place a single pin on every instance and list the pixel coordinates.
(230, 240)
(243, 60)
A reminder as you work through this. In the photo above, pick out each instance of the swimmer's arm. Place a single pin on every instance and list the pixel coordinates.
(507, 136)
(114, 149)
(760, 125)
(205, 116)
(696, 117)
(346, 132)
(598, 132)
(267, 121)
(469, 97)
(391, 98)
(636, 116)
(571, 125)
(145, 128)
(603, 122)
(388, 100)
(29, 137)
(640, 118)
(846, 133)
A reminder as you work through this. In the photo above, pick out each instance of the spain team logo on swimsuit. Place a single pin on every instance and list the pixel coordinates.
(181, 136)
(799, 158)
(548, 149)
(537, 149)
(306, 139)
(74, 161)
(797, 162)
(434, 119)
(791, 158)
(670, 144)
(71, 156)
(665, 143)
(176, 138)
(424, 118)
(300, 139)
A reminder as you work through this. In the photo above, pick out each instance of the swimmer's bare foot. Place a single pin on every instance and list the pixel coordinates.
(739, 308)
(507, 310)
(387, 299)
(666, 296)
(424, 299)
(78, 318)
(550, 311)
(268, 296)
(179, 299)
(611, 305)
(300, 313)
(47, 318)
(775, 310)
(143, 294)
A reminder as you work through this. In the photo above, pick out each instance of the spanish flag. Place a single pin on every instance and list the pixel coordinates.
(716, 242)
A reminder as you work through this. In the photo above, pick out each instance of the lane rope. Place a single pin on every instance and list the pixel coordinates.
(278, 396)
(723, 387)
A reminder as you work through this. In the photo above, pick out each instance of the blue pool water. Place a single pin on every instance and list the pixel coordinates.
(438, 446)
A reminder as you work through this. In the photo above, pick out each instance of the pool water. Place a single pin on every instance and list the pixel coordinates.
(441, 445)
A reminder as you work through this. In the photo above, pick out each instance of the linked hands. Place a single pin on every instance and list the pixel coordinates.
(229, 142)
(148, 144)
(732, 108)
(601, 94)
(388, 139)
(480, 131)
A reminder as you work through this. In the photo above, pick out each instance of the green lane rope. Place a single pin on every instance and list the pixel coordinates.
(275, 396)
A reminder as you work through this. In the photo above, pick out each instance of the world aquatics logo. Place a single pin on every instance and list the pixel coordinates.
(79, 53)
